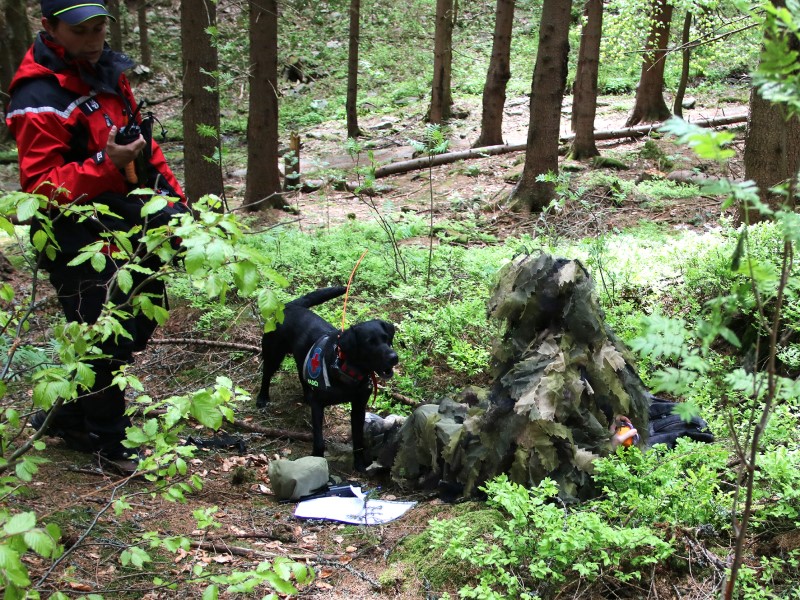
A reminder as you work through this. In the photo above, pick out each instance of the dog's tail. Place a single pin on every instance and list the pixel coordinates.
(319, 296)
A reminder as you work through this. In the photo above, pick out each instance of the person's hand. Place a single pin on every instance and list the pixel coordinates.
(623, 432)
(122, 155)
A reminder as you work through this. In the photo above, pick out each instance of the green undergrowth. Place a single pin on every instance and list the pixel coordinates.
(420, 559)
(443, 335)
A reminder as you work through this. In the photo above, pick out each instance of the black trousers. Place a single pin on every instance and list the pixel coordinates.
(100, 411)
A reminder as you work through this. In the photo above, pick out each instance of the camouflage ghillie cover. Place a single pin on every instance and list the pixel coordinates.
(560, 375)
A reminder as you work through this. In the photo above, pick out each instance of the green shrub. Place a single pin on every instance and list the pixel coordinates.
(542, 544)
(681, 487)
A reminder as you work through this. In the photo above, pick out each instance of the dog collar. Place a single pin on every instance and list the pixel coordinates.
(346, 372)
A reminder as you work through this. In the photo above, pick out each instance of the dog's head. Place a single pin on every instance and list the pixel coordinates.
(368, 347)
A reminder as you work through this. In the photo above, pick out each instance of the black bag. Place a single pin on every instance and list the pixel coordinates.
(665, 427)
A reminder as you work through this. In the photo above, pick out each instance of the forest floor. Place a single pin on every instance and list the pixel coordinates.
(350, 562)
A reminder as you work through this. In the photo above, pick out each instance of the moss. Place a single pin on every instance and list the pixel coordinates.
(419, 560)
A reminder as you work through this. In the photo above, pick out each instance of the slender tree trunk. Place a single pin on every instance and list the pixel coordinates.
(494, 91)
(441, 96)
(771, 148)
(686, 52)
(115, 26)
(203, 174)
(352, 70)
(650, 105)
(547, 92)
(584, 102)
(15, 39)
(263, 188)
(144, 35)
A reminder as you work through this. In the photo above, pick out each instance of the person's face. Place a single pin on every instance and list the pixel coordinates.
(83, 41)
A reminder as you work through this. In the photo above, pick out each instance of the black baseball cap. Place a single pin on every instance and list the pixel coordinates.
(74, 12)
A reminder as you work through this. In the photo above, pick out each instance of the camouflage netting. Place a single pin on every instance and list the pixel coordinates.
(560, 376)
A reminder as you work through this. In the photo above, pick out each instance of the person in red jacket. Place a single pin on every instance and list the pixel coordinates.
(68, 101)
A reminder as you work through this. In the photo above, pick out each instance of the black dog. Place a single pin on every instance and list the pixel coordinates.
(334, 366)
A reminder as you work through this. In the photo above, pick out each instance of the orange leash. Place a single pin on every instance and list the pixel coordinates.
(349, 282)
(344, 312)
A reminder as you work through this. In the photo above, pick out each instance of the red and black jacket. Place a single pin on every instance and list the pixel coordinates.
(60, 113)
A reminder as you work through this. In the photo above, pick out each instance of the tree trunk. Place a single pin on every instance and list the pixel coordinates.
(686, 51)
(352, 70)
(771, 148)
(771, 152)
(263, 188)
(584, 101)
(547, 92)
(203, 175)
(115, 26)
(494, 92)
(15, 39)
(441, 97)
(650, 105)
(144, 37)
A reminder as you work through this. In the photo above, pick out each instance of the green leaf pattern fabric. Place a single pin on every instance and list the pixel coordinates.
(559, 375)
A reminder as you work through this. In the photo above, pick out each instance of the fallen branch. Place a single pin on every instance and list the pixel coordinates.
(710, 558)
(251, 553)
(303, 436)
(334, 563)
(211, 343)
(612, 134)
(401, 399)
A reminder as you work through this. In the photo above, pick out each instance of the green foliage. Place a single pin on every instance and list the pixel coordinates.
(214, 257)
(682, 487)
(20, 534)
(542, 544)
(418, 552)
(777, 78)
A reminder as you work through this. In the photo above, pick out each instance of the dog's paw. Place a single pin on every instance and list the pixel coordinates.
(262, 402)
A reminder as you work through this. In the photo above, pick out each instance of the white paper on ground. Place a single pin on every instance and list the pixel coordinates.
(356, 510)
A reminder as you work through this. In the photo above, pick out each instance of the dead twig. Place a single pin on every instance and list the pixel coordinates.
(303, 436)
(210, 546)
(211, 343)
(712, 559)
(333, 563)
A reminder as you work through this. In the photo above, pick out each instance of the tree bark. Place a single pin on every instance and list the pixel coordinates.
(650, 105)
(494, 91)
(115, 26)
(441, 96)
(771, 148)
(547, 92)
(686, 52)
(200, 100)
(263, 188)
(144, 36)
(352, 70)
(771, 153)
(584, 101)
(15, 39)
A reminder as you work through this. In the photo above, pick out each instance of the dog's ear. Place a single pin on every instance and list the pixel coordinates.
(389, 329)
(347, 340)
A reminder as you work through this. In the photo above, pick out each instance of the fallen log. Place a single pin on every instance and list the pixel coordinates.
(612, 134)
